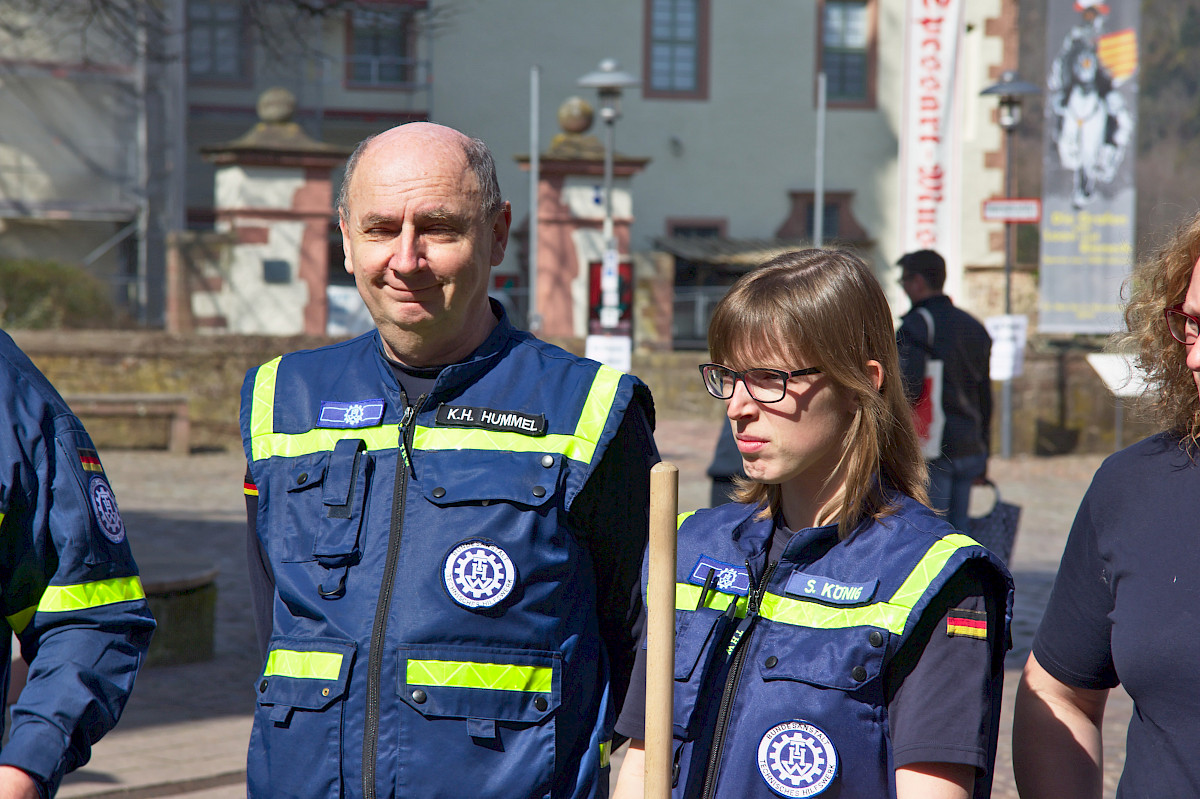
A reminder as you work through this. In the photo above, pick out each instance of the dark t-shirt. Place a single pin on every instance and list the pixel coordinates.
(940, 707)
(1126, 609)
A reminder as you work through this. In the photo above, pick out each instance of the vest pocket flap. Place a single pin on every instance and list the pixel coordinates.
(487, 683)
(306, 472)
(845, 659)
(306, 673)
(693, 630)
(526, 478)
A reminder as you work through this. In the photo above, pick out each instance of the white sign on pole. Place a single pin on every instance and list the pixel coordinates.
(1012, 210)
(1008, 333)
(614, 351)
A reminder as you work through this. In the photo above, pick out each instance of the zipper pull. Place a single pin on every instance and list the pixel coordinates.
(405, 447)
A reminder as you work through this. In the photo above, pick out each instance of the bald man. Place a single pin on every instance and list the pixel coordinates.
(447, 516)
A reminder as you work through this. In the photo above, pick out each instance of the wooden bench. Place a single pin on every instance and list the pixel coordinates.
(170, 406)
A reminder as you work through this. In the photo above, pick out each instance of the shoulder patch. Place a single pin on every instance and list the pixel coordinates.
(969, 623)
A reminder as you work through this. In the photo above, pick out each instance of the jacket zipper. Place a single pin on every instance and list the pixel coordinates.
(379, 631)
(734, 677)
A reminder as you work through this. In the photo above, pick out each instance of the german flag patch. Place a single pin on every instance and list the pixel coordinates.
(970, 623)
(250, 489)
(89, 459)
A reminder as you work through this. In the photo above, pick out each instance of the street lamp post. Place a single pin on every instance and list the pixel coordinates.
(609, 81)
(1010, 90)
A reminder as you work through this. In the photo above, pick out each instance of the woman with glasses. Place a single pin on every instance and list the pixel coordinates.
(834, 636)
(1125, 609)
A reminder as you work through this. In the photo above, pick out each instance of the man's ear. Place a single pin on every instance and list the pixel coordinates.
(500, 230)
(347, 262)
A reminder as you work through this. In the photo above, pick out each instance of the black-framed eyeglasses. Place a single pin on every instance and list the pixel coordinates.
(764, 385)
(1184, 327)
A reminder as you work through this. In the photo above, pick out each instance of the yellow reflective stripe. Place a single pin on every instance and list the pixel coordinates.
(495, 676)
(262, 400)
(20, 620)
(303, 665)
(681, 518)
(321, 439)
(63, 598)
(687, 595)
(578, 446)
(599, 402)
(605, 750)
(930, 566)
(442, 438)
(890, 615)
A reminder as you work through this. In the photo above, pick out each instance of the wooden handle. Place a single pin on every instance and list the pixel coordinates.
(660, 635)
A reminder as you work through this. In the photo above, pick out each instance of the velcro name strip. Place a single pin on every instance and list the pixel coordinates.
(528, 424)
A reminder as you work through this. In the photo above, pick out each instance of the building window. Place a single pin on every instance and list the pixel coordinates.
(216, 40)
(676, 56)
(380, 48)
(848, 51)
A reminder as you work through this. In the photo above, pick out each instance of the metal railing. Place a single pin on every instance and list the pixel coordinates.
(693, 309)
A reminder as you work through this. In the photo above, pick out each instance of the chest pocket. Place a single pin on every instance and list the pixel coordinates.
(701, 639)
(846, 659)
(484, 477)
(327, 495)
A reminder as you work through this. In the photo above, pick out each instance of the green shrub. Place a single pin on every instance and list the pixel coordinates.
(38, 295)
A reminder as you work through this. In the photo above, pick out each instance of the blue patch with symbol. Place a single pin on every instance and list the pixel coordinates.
(361, 413)
(729, 579)
(831, 592)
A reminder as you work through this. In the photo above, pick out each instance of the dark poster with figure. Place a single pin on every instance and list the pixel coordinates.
(1088, 201)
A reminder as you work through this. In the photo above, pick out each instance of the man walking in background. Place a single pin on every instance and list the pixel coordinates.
(935, 329)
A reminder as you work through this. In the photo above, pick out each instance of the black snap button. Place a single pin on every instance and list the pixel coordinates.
(301, 478)
(771, 662)
(875, 638)
(859, 674)
(419, 696)
(439, 492)
(547, 461)
(540, 703)
(262, 686)
(539, 492)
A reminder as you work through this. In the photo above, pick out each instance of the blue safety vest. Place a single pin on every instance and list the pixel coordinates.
(779, 667)
(435, 630)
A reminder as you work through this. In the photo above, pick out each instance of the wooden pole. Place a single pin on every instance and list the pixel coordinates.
(660, 610)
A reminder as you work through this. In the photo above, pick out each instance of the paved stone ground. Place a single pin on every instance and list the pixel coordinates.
(185, 730)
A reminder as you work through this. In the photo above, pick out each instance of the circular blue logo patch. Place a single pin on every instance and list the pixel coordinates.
(479, 574)
(104, 505)
(797, 759)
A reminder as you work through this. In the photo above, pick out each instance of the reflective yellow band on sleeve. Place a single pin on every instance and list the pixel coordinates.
(303, 665)
(493, 676)
(605, 752)
(66, 598)
(681, 518)
(20, 620)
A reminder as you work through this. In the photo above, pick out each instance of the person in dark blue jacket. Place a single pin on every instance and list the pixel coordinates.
(68, 584)
(834, 636)
(447, 516)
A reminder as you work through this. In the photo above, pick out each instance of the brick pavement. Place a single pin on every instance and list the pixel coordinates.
(185, 730)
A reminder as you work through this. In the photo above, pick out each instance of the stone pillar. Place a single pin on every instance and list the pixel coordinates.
(274, 197)
(571, 218)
